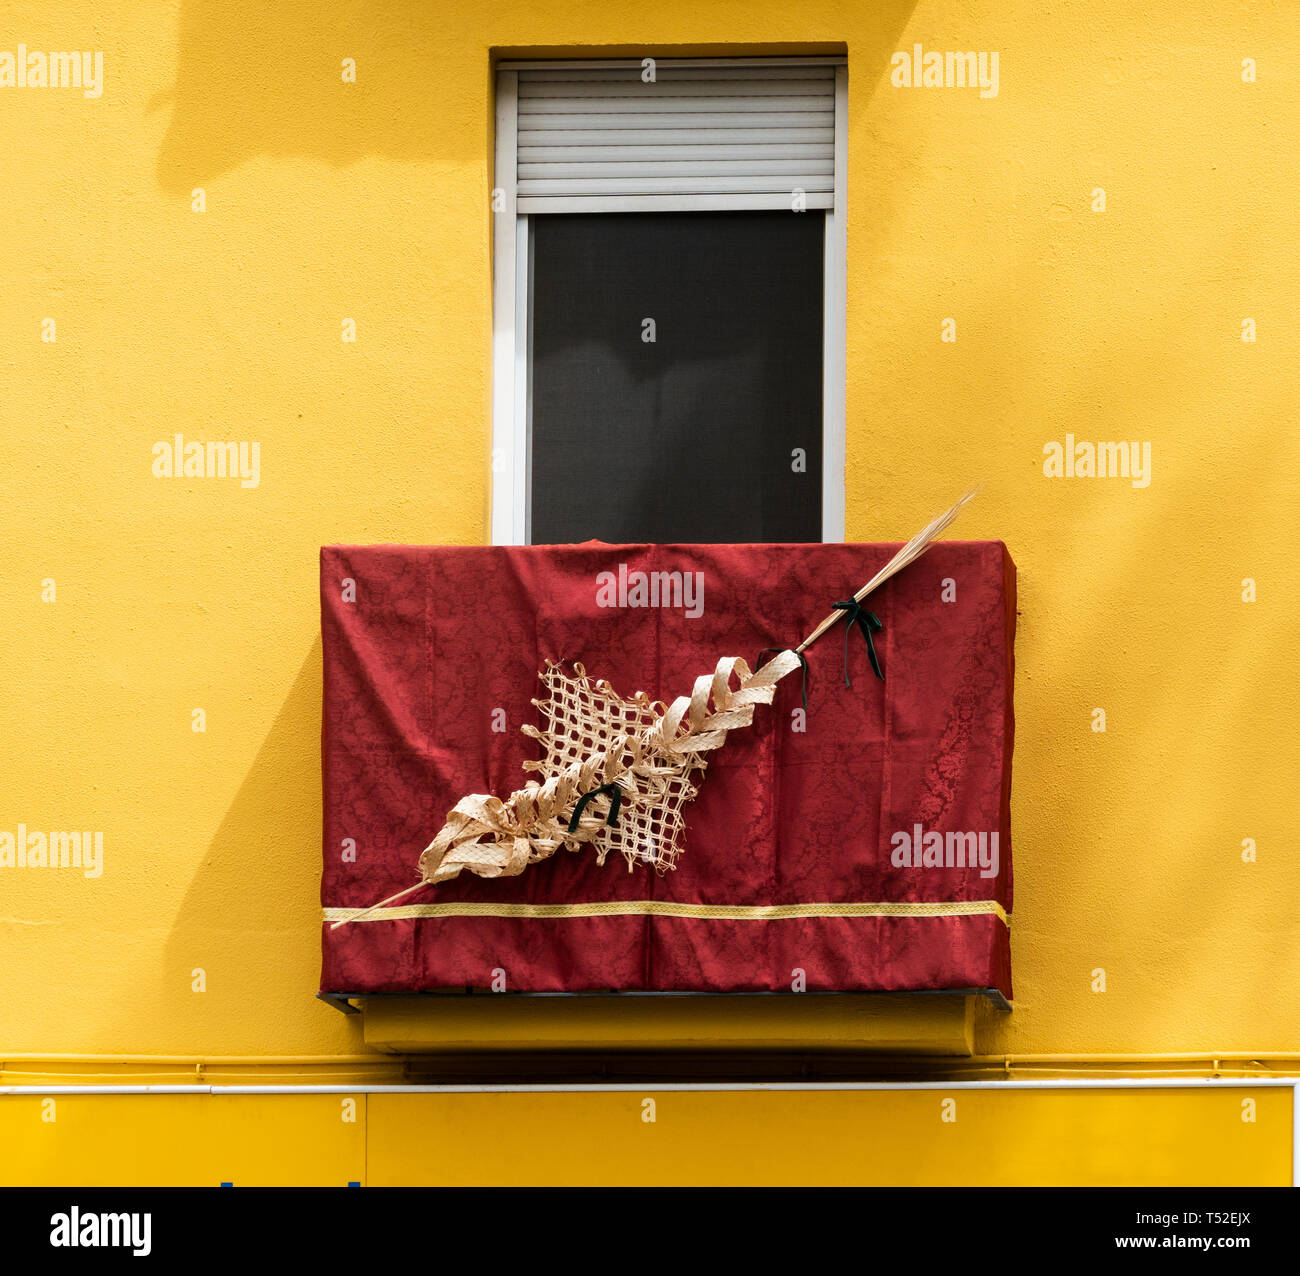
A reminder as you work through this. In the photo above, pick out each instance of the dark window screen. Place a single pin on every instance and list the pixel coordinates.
(691, 436)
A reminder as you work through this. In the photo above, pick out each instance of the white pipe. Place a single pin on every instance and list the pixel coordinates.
(651, 1087)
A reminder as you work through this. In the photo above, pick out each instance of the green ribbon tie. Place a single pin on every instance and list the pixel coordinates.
(615, 795)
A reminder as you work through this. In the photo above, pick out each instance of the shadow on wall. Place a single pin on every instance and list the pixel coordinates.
(251, 916)
(256, 80)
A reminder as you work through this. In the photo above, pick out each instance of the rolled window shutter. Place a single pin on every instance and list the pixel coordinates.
(600, 139)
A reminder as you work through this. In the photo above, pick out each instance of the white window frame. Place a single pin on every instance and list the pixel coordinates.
(512, 294)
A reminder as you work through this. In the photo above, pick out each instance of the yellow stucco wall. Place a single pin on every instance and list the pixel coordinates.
(1202, 1136)
(328, 201)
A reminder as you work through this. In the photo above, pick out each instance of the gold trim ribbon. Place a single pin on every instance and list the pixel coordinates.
(667, 908)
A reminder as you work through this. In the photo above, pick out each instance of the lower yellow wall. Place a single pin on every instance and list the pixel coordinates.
(1204, 1137)
(327, 200)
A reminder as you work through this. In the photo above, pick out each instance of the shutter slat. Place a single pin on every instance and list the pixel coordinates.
(666, 74)
(531, 154)
(824, 136)
(763, 120)
(775, 184)
(601, 135)
(713, 202)
(598, 106)
(678, 168)
(672, 88)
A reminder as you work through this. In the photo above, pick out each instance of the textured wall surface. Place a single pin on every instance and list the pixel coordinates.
(327, 201)
(995, 1137)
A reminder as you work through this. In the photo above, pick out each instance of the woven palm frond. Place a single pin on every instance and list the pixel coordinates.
(635, 756)
(584, 717)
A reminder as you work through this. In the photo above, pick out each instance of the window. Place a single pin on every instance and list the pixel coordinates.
(669, 302)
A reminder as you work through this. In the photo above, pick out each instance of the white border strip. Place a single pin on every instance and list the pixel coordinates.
(505, 470)
(835, 429)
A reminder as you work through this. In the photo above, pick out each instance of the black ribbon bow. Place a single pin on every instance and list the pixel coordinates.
(803, 662)
(869, 623)
(615, 797)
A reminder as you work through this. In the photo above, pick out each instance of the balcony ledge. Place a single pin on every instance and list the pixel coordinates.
(940, 1024)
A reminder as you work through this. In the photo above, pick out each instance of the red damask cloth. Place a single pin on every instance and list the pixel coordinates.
(832, 850)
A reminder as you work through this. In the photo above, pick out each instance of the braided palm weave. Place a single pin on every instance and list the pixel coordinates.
(593, 737)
